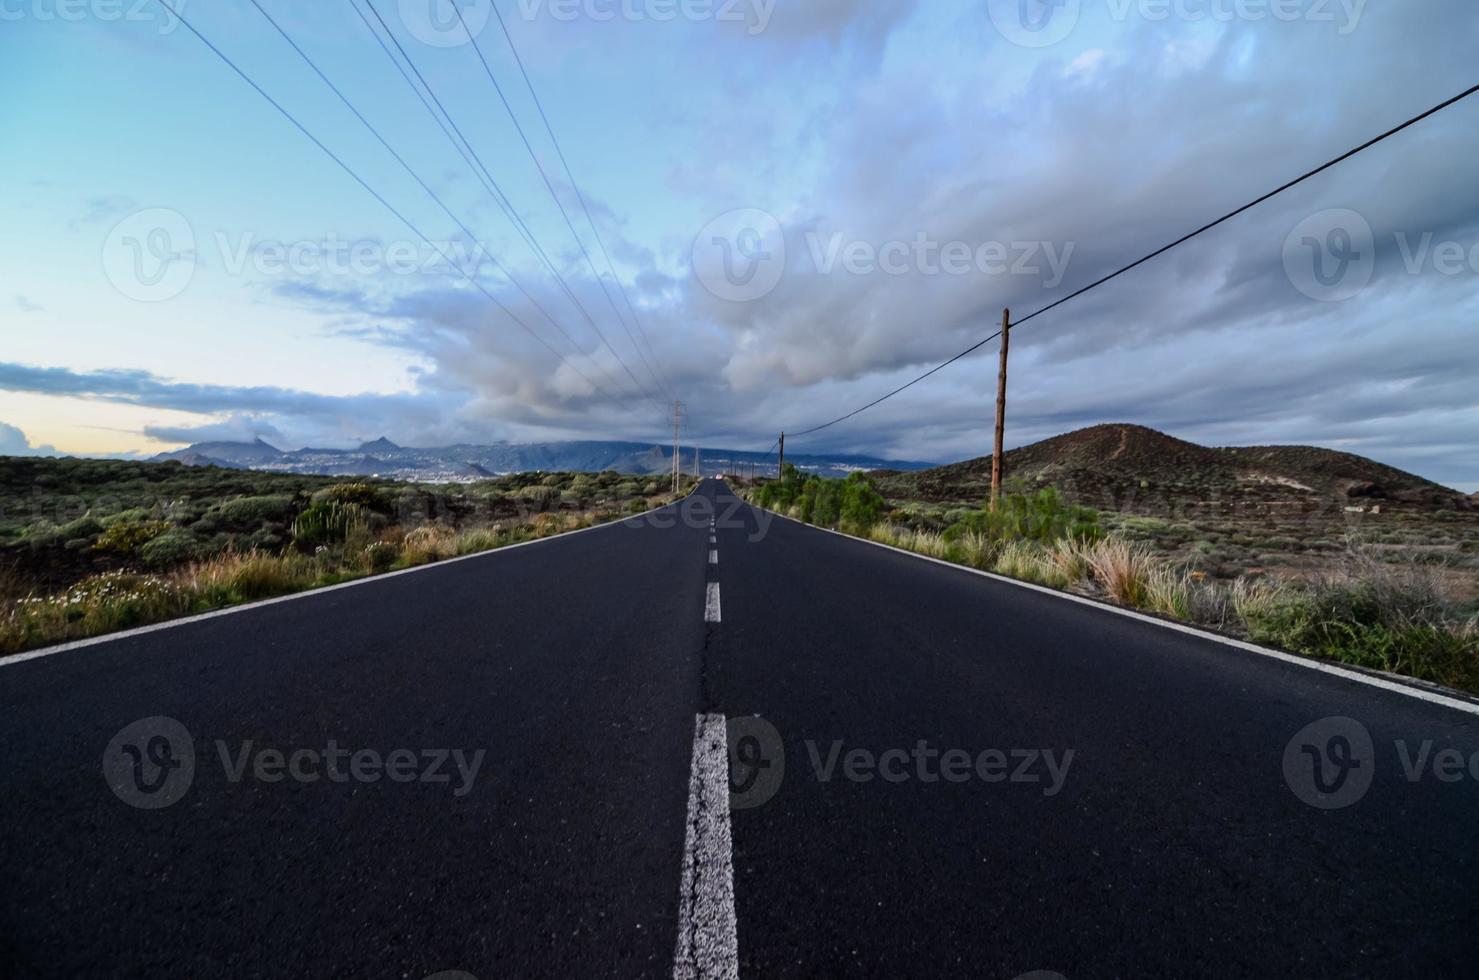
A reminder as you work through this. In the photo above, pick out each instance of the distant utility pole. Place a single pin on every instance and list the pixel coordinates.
(1001, 408)
(780, 466)
(677, 427)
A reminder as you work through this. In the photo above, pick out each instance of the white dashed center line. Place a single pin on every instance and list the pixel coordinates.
(713, 557)
(711, 603)
(708, 941)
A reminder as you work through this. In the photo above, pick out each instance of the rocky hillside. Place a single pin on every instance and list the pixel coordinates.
(1134, 469)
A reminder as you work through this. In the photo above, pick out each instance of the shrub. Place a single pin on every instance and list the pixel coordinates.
(170, 548)
(86, 527)
(429, 543)
(247, 513)
(862, 504)
(380, 556)
(365, 495)
(126, 538)
(328, 522)
(539, 496)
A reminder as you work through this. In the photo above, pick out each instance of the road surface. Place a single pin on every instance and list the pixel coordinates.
(507, 766)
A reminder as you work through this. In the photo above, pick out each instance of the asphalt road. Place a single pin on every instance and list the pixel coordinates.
(934, 774)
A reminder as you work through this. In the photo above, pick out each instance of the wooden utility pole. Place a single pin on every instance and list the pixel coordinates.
(677, 425)
(1001, 408)
(780, 467)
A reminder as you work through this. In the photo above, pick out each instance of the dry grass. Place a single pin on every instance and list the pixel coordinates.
(120, 600)
(1373, 610)
(1123, 569)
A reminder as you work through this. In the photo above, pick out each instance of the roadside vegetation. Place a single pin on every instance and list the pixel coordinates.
(89, 547)
(1369, 606)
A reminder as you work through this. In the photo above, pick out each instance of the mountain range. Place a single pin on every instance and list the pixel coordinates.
(462, 463)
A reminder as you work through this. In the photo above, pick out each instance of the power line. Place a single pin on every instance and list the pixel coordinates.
(453, 123)
(549, 185)
(417, 177)
(1160, 251)
(595, 230)
(374, 193)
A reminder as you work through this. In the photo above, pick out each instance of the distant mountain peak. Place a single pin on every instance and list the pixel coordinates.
(381, 445)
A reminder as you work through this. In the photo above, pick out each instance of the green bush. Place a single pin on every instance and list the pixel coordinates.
(365, 495)
(1391, 619)
(381, 556)
(536, 494)
(862, 504)
(248, 513)
(327, 522)
(172, 547)
(1042, 517)
(127, 538)
(85, 526)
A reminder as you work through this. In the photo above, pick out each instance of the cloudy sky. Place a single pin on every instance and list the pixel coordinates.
(804, 204)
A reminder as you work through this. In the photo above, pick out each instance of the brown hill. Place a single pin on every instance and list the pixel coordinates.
(1135, 469)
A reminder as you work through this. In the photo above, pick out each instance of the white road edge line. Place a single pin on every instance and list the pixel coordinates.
(708, 939)
(711, 603)
(92, 641)
(713, 557)
(1432, 697)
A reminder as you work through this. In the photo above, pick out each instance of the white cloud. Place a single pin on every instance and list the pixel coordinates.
(13, 442)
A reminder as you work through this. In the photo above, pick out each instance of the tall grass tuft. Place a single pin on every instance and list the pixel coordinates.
(1122, 568)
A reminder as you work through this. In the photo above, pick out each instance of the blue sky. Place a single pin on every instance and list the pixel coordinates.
(838, 128)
